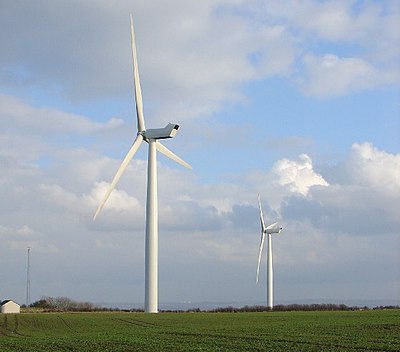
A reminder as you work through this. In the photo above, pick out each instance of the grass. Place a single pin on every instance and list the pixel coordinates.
(273, 331)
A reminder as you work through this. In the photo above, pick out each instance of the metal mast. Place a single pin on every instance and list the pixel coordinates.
(28, 279)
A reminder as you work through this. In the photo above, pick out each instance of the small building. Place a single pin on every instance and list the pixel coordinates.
(9, 306)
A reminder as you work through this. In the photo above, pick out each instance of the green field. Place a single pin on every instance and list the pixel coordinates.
(272, 331)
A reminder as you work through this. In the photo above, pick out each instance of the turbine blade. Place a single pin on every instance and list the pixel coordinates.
(138, 90)
(124, 164)
(261, 215)
(164, 150)
(259, 254)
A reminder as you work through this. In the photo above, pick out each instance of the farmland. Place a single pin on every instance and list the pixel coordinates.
(370, 330)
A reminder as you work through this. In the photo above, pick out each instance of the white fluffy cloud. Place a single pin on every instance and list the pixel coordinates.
(371, 167)
(365, 202)
(299, 175)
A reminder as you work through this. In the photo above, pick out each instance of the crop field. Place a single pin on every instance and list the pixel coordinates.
(268, 331)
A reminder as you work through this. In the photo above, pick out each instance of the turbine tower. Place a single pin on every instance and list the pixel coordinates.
(152, 137)
(267, 230)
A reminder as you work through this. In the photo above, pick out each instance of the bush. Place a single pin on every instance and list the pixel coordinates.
(42, 303)
(63, 304)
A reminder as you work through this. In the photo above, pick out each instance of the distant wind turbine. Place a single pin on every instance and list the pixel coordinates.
(269, 230)
(152, 137)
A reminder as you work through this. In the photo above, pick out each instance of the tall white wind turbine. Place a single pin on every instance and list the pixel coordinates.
(267, 230)
(152, 137)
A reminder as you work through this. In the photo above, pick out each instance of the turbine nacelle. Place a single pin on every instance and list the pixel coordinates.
(273, 228)
(169, 131)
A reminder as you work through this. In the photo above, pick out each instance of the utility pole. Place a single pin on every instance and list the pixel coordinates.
(28, 279)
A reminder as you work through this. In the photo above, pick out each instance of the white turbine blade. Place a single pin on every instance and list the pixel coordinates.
(163, 149)
(261, 215)
(124, 164)
(259, 254)
(138, 90)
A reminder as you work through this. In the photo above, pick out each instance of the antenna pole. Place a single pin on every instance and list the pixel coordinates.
(28, 279)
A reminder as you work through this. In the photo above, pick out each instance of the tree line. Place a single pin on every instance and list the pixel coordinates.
(288, 308)
(65, 304)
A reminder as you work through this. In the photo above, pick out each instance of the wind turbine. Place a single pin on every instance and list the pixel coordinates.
(152, 137)
(267, 230)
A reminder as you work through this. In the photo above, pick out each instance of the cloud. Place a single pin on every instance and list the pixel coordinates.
(24, 231)
(19, 238)
(371, 167)
(364, 203)
(48, 120)
(332, 76)
(299, 176)
(346, 47)
(190, 66)
(192, 217)
(212, 225)
(346, 21)
(200, 62)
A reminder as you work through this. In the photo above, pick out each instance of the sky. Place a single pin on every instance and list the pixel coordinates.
(298, 101)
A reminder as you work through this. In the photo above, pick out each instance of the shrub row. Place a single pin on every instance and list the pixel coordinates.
(64, 304)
